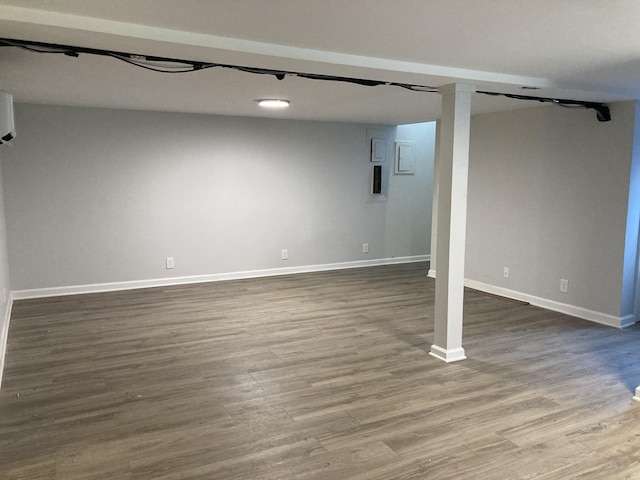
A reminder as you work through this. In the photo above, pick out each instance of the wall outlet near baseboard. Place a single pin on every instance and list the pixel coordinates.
(505, 272)
(564, 285)
(170, 263)
(285, 254)
(365, 248)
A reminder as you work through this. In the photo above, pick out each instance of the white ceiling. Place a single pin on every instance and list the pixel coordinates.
(573, 49)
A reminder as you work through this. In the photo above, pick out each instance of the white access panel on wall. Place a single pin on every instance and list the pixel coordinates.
(405, 162)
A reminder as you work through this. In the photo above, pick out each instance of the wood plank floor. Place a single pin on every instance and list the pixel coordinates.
(312, 376)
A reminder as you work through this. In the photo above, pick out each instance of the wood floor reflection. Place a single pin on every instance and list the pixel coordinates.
(312, 376)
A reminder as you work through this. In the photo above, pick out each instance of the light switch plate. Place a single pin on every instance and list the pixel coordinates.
(378, 149)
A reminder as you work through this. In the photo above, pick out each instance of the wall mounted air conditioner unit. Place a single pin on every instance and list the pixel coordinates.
(7, 127)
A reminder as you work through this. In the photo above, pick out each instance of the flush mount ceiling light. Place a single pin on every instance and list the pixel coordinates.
(273, 103)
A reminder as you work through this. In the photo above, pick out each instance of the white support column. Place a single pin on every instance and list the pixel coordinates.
(637, 397)
(453, 167)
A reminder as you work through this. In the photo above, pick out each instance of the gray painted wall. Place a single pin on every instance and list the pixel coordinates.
(96, 196)
(630, 304)
(4, 258)
(407, 223)
(5, 290)
(548, 197)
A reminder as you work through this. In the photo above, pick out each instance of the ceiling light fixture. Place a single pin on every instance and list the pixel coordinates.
(273, 103)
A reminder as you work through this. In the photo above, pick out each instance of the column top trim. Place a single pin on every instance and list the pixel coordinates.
(456, 88)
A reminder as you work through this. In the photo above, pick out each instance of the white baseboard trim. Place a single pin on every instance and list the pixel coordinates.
(597, 317)
(4, 334)
(216, 277)
(579, 312)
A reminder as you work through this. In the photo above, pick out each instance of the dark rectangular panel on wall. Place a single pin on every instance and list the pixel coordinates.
(377, 179)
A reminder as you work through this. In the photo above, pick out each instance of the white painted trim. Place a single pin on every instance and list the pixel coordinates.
(216, 277)
(453, 355)
(637, 396)
(597, 317)
(4, 334)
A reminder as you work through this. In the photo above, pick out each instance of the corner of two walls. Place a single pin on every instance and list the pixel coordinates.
(408, 219)
(97, 199)
(549, 197)
(101, 197)
(6, 300)
(630, 304)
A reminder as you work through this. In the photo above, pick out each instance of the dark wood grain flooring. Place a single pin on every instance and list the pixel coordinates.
(312, 376)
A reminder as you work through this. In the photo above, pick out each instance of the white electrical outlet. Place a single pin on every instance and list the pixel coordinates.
(170, 263)
(365, 248)
(505, 272)
(285, 254)
(564, 285)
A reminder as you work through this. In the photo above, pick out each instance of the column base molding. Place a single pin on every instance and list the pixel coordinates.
(448, 356)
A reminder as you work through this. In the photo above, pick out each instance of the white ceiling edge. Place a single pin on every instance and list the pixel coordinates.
(158, 34)
(92, 82)
(108, 34)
